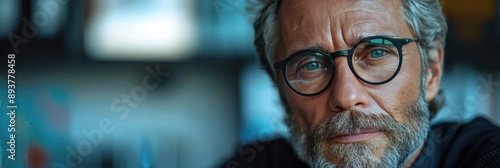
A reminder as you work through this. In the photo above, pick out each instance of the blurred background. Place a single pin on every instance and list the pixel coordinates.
(176, 83)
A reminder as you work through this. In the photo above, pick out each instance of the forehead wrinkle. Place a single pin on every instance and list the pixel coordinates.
(326, 24)
(366, 28)
(302, 31)
(364, 23)
(352, 20)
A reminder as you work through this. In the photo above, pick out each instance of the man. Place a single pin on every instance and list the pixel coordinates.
(360, 82)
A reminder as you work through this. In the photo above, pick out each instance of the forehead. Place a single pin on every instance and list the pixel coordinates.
(337, 24)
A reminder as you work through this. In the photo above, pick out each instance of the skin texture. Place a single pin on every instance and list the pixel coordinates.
(332, 25)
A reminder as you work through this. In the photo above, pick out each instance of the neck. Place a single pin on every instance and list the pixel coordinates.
(414, 156)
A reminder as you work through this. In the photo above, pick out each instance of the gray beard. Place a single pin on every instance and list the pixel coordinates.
(404, 139)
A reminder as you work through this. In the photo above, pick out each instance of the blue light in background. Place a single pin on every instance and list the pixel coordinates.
(49, 17)
(145, 153)
(9, 15)
(467, 96)
(262, 112)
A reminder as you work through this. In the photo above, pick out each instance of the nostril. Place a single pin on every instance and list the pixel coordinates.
(339, 109)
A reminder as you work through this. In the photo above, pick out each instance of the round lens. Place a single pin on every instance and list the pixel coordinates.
(309, 72)
(376, 60)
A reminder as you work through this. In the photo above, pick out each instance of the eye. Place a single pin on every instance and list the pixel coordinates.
(377, 53)
(311, 66)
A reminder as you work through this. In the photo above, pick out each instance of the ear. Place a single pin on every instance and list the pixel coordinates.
(434, 71)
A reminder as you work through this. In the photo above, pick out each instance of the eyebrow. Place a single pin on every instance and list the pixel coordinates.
(357, 39)
(314, 47)
(360, 37)
(311, 47)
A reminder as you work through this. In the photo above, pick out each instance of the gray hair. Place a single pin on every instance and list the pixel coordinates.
(425, 17)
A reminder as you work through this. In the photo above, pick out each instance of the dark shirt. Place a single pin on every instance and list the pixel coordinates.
(475, 144)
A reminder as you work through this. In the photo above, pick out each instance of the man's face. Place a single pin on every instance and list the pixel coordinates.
(352, 123)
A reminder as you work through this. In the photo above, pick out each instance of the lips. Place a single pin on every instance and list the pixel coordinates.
(356, 137)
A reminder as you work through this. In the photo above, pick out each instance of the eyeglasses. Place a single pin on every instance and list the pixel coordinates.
(374, 60)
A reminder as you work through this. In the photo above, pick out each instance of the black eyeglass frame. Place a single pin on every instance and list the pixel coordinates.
(398, 42)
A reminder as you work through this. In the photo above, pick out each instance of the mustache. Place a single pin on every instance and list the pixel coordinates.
(355, 122)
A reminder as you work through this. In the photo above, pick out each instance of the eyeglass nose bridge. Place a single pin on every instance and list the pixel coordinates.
(347, 53)
(341, 53)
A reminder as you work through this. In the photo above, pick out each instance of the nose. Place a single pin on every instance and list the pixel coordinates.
(346, 92)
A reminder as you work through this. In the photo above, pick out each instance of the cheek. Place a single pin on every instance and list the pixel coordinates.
(410, 81)
(307, 110)
(403, 91)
